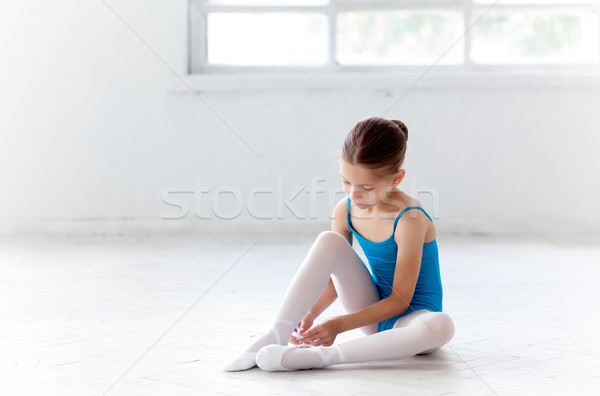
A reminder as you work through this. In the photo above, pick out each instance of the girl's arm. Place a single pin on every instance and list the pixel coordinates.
(326, 299)
(374, 313)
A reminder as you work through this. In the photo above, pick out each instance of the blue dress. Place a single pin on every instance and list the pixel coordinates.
(381, 258)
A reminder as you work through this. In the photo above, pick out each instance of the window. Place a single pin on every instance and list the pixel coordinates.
(233, 35)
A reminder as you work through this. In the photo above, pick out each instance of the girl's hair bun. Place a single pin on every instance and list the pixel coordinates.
(402, 126)
(378, 144)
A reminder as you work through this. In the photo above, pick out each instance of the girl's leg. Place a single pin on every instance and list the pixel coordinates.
(355, 287)
(419, 332)
(330, 256)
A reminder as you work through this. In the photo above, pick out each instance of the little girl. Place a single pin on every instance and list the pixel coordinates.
(397, 305)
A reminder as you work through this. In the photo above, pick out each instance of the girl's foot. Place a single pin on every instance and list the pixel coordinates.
(247, 359)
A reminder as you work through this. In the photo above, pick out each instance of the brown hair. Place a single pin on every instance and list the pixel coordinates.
(378, 144)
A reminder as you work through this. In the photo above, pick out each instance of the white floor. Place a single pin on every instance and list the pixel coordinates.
(159, 316)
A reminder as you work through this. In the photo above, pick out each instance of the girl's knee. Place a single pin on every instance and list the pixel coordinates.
(442, 326)
(331, 239)
(328, 246)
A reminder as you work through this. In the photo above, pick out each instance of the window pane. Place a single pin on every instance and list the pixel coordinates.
(267, 38)
(537, 1)
(399, 37)
(546, 36)
(372, 3)
(268, 2)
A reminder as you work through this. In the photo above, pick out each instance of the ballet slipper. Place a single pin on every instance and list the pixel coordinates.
(270, 357)
(247, 360)
(244, 361)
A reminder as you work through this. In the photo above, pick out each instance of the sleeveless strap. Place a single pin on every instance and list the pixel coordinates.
(407, 208)
(395, 221)
(348, 213)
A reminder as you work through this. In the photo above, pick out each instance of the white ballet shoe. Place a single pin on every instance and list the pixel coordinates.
(244, 361)
(247, 360)
(270, 357)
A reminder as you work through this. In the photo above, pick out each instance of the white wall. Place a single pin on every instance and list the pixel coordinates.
(95, 129)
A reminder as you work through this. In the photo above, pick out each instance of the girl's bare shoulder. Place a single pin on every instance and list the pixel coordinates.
(339, 216)
(403, 200)
(430, 232)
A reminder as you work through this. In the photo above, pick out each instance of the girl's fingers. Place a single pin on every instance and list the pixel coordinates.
(311, 332)
(297, 336)
(307, 340)
(312, 340)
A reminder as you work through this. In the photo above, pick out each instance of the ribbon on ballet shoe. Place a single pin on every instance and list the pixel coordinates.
(326, 356)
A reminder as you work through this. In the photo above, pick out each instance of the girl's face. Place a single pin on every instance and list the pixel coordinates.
(364, 187)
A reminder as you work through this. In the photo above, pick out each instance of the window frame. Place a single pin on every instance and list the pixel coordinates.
(197, 44)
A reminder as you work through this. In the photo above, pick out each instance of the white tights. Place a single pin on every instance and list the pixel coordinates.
(332, 256)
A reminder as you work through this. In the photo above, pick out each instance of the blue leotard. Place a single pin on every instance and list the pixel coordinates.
(382, 262)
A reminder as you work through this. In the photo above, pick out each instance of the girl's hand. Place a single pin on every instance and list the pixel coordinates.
(322, 335)
(304, 325)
